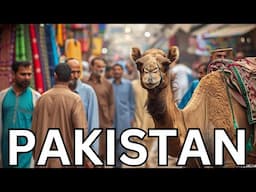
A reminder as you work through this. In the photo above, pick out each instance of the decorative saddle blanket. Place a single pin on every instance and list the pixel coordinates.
(242, 80)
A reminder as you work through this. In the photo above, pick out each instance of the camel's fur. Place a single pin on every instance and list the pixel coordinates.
(209, 107)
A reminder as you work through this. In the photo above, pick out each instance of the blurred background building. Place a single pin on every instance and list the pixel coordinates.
(114, 42)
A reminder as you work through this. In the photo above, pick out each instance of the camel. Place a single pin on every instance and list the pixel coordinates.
(209, 107)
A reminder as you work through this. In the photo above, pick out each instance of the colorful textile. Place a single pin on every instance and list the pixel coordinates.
(20, 49)
(7, 40)
(59, 36)
(55, 54)
(36, 60)
(242, 78)
(29, 52)
(44, 56)
(49, 52)
(41, 59)
(73, 49)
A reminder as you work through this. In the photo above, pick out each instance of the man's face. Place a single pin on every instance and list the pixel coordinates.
(117, 72)
(201, 72)
(23, 76)
(75, 73)
(75, 69)
(98, 68)
(219, 55)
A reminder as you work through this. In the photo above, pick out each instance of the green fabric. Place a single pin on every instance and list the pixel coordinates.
(17, 114)
(249, 146)
(20, 49)
(245, 95)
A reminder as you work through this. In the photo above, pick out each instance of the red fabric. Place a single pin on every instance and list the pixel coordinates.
(64, 32)
(172, 41)
(7, 41)
(4, 79)
(36, 61)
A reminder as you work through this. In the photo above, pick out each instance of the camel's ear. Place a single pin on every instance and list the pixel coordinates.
(166, 64)
(135, 55)
(173, 54)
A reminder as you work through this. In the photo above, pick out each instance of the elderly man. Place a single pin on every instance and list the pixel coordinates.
(223, 53)
(88, 96)
(105, 95)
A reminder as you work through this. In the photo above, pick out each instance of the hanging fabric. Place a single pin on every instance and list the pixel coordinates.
(7, 40)
(73, 50)
(43, 69)
(51, 50)
(29, 53)
(36, 60)
(44, 56)
(20, 49)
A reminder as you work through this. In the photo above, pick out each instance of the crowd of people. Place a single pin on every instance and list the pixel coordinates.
(107, 96)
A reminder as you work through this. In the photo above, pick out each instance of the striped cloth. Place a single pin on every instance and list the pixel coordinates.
(41, 59)
(20, 49)
(44, 56)
(36, 60)
(29, 53)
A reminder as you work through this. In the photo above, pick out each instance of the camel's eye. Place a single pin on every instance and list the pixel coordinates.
(155, 70)
(146, 71)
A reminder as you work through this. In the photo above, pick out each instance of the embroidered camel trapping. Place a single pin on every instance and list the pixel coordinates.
(241, 78)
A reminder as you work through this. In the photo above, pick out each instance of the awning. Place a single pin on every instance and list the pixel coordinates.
(207, 29)
(231, 30)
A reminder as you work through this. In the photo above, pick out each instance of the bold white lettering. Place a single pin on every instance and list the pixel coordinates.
(110, 147)
(81, 147)
(162, 142)
(193, 135)
(46, 152)
(221, 138)
(14, 149)
(142, 151)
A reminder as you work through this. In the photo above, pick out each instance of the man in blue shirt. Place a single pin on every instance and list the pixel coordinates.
(125, 105)
(202, 71)
(87, 95)
(17, 104)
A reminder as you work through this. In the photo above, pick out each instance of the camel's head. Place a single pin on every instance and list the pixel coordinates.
(153, 66)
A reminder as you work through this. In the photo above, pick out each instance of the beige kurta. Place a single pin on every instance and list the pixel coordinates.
(142, 118)
(105, 95)
(58, 108)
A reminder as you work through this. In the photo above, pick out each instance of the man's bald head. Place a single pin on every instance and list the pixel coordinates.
(75, 68)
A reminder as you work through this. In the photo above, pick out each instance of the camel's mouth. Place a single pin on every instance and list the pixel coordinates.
(151, 85)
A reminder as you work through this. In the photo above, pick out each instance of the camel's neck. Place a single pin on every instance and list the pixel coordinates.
(165, 114)
(162, 108)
